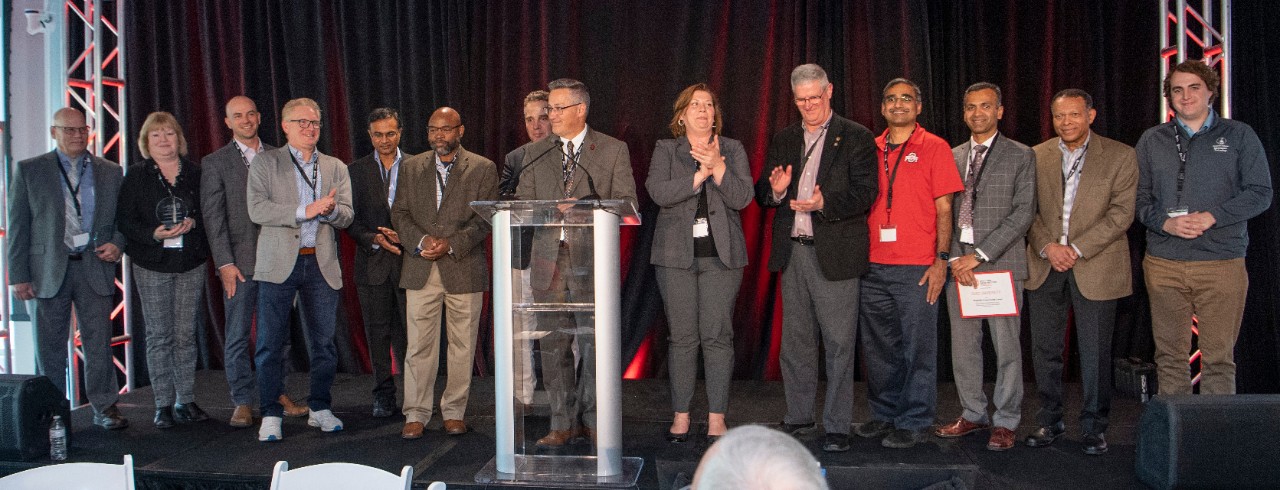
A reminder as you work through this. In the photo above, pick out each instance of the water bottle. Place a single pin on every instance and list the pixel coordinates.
(57, 439)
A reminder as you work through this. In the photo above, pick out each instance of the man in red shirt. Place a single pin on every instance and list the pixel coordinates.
(910, 227)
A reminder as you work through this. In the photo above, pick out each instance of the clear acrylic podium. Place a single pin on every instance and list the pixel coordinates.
(558, 354)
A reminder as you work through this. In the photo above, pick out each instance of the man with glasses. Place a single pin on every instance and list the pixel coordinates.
(910, 231)
(560, 270)
(63, 249)
(300, 198)
(233, 240)
(820, 178)
(445, 272)
(374, 182)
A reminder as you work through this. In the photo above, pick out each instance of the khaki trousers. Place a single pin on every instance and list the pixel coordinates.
(1213, 291)
(423, 310)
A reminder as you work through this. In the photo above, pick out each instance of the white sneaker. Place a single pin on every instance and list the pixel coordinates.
(325, 420)
(270, 429)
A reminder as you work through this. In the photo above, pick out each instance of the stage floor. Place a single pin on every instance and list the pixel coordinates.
(211, 454)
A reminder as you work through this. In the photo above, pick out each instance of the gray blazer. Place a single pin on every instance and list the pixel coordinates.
(414, 214)
(670, 184)
(37, 217)
(233, 237)
(272, 195)
(1003, 208)
(609, 163)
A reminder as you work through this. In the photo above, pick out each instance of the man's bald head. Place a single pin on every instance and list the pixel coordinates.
(70, 131)
(243, 119)
(444, 132)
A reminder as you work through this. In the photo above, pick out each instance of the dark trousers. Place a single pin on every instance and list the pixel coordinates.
(1095, 321)
(382, 308)
(900, 345)
(318, 303)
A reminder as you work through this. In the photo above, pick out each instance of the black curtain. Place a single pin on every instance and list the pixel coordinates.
(482, 57)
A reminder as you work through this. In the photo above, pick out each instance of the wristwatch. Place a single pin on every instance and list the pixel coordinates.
(944, 255)
(980, 258)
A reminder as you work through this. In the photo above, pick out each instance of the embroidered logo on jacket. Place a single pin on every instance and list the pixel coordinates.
(1221, 145)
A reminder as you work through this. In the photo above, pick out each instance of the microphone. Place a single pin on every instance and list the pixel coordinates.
(591, 183)
(514, 182)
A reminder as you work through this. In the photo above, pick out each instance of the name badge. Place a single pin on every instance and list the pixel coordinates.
(700, 228)
(888, 233)
(175, 242)
(1176, 212)
(966, 235)
(80, 240)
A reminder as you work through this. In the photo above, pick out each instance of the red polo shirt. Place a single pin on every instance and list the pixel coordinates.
(927, 172)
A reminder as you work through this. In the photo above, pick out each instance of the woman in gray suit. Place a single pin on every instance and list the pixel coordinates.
(701, 181)
(168, 249)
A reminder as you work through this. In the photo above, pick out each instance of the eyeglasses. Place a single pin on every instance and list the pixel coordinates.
(808, 100)
(433, 130)
(388, 134)
(893, 99)
(305, 123)
(74, 130)
(554, 109)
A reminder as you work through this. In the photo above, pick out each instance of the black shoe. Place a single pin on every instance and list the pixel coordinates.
(873, 429)
(712, 439)
(110, 419)
(164, 417)
(903, 439)
(383, 407)
(796, 429)
(836, 443)
(674, 437)
(1095, 444)
(188, 413)
(1045, 435)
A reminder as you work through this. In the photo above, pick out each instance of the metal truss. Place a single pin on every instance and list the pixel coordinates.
(1203, 32)
(86, 68)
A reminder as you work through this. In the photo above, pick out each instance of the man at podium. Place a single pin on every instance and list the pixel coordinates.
(588, 165)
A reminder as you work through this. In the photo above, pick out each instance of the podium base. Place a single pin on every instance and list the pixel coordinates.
(563, 471)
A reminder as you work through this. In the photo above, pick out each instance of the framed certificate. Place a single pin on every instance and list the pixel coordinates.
(993, 297)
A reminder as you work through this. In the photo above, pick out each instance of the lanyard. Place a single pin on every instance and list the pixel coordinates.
(809, 153)
(985, 156)
(75, 191)
(440, 177)
(902, 150)
(242, 157)
(1182, 159)
(164, 182)
(1074, 167)
(310, 182)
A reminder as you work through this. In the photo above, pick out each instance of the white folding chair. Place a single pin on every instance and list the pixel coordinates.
(338, 476)
(74, 476)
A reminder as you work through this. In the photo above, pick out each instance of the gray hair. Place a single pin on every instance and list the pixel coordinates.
(578, 89)
(296, 103)
(808, 73)
(753, 457)
(984, 86)
(904, 81)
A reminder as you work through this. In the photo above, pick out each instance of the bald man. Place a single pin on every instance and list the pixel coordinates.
(444, 269)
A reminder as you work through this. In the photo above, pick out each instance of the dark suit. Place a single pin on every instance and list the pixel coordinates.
(1101, 212)
(819, 280)
(563, 273)
(453, 284)
(1004, 205)
(233, 240)
(377, 273)
(38, 255)
(699, 290)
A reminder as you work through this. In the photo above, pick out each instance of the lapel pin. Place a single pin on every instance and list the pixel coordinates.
(593, 147)
(837, 143)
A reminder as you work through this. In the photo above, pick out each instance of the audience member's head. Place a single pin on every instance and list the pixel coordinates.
(754, 457)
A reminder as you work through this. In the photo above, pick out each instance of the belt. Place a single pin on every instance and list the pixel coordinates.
(803, 240)
(75, 256)
(307, 251)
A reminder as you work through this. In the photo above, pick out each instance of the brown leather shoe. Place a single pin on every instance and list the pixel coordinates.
(455, 427)
(412, 430)
(292, 409)
(557, 438)
(958, 428)
(1001, 439)
(241, 417)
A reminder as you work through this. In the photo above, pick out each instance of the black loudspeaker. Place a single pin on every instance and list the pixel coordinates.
(27, 407)
(1210, 441)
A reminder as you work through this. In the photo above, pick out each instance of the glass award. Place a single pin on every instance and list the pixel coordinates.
(171, 211)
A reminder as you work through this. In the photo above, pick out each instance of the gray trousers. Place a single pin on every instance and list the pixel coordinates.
(813, 306)
(966, 361)
(573, 396)
(93, 316)
(699, 303)
(169, 302)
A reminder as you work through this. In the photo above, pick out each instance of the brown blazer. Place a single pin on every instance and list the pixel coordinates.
(1100, 216)
(414, 215)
